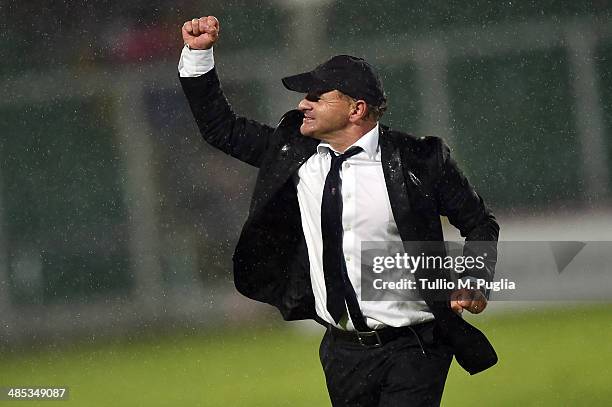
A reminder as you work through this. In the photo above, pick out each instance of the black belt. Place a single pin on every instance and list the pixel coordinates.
(380, 337)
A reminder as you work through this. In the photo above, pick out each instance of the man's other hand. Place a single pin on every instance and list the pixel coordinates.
(201, 33)
(472, 300)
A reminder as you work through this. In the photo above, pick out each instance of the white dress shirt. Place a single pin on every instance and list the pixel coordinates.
(366, 215)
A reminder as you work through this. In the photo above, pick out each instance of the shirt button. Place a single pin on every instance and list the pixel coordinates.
(346, 165)
(348, 227)
(348, 258)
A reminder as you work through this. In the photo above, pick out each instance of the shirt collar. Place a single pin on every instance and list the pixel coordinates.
(368, 142)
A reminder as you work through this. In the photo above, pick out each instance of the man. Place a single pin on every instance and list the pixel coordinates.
(330, 177)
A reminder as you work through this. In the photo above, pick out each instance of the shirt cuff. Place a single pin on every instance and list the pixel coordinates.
(195, 62)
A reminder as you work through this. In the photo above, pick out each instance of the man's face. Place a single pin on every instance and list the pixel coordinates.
(326, 115)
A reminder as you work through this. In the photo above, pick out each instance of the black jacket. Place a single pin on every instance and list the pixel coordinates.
(271, 261)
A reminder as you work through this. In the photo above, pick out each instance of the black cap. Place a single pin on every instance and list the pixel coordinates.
(350, 75)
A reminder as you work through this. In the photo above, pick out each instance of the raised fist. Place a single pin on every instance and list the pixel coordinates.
(201, 33)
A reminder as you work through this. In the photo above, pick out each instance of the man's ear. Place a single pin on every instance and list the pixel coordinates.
(359, 111)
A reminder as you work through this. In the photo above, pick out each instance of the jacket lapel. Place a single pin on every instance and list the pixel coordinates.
(399, 191)
(289, 157)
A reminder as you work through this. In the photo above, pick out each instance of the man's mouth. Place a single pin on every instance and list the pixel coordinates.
(308, 119)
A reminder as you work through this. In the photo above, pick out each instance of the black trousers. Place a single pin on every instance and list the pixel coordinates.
(395, 374)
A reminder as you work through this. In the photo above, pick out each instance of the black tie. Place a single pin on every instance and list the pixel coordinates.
(337, 283)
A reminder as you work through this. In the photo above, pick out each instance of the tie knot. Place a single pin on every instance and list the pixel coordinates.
(337, 160)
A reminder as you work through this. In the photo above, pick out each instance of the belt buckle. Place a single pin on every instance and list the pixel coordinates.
(362, 335)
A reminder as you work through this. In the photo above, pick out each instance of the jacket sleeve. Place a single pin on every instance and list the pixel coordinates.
(244, 139)
(466, 210)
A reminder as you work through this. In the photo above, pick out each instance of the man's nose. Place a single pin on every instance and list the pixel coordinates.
(304, 105)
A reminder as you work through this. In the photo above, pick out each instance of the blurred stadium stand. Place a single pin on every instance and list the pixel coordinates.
(116, 216)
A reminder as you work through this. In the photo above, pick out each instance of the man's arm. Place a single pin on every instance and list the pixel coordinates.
(466, 210)
(244, 139)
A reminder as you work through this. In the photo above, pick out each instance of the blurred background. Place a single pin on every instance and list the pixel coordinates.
(118, 222)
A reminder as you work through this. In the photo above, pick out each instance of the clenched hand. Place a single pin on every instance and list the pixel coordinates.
(472, 300)
(201, 33)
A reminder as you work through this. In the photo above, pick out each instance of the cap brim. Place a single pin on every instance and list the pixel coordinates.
(303, 83)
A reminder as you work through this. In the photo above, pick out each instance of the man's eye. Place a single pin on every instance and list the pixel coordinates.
(313, 97)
